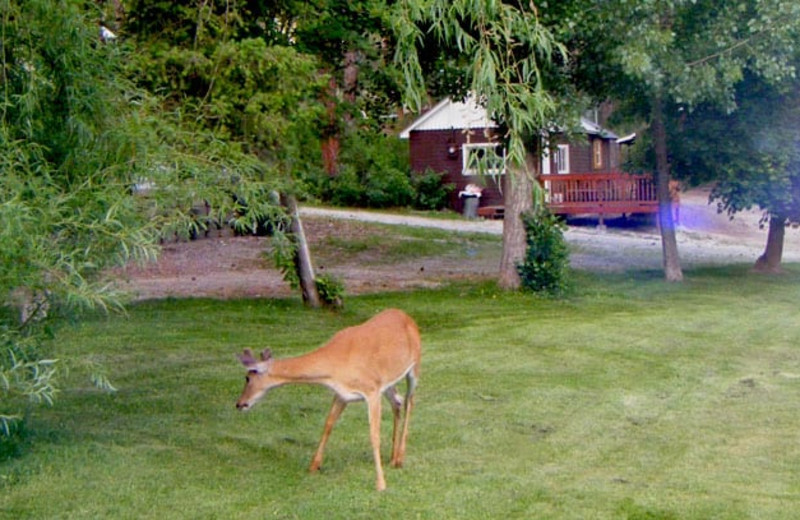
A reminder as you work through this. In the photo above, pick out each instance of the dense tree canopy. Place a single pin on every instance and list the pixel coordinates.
(677, 55)
(751, 154)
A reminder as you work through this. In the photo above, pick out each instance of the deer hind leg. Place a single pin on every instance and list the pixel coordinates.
(336, 410)
(397, 403)
(411, 381)
(374, 404)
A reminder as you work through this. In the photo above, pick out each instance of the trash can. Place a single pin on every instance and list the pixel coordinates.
(470, 202)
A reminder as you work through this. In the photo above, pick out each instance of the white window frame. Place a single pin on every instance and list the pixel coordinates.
(545, 158)
(562, 158)
(466, 156)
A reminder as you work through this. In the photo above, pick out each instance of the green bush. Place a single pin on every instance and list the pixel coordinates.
(379, 164)
(330, 289)
(431, 191)
(387, 188)
(373, 171)
(346, 189)
(545, 268)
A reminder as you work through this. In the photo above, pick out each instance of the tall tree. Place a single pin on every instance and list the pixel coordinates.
(348, 38)
(503, 51)
(661, 56)
(752, 155)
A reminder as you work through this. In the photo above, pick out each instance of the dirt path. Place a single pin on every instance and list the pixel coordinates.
(224, 266)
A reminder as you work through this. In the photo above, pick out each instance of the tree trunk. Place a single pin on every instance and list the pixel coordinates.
(302, 255)
(350, 76)
(330, 142)
(330, 154)
(666, 224)
(518, 200)
(770, 261)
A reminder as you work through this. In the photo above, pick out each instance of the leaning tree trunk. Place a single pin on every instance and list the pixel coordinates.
(302, 256)
(666, 223)
(518, 200)
(770, 260)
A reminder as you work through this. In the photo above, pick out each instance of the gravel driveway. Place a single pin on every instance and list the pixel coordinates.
(705, 237)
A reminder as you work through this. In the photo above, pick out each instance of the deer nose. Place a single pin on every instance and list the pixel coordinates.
(241, 406)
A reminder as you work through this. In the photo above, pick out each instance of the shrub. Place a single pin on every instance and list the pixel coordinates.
(374, 172)
(388, 187)
(330, 289)
(346, 189)
(545, 268)
(431, 191)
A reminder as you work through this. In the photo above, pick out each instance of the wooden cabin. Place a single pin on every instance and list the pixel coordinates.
(580, 175)
(446, 137)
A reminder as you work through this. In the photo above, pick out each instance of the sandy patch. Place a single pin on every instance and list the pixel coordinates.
(226, 266)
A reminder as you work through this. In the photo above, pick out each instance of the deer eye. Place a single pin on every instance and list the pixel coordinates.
(247, 379)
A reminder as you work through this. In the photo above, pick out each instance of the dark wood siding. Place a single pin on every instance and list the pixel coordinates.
(580, 157)
(429, 149)
(613, 155)
(610, 154)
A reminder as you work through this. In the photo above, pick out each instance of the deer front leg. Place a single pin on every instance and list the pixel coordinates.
(336, 410)
(374, 403)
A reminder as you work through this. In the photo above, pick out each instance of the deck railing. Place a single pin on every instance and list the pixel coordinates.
(600, 193)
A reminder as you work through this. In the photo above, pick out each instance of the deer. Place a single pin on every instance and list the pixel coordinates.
(359, 363)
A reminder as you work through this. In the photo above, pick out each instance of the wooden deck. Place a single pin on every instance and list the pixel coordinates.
(492, 212)
(599, 193)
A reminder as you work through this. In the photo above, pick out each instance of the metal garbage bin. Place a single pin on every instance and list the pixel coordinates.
(470, 202)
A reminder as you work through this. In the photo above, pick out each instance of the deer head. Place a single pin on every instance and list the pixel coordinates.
(257, 380)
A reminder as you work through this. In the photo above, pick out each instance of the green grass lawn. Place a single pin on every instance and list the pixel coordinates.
(633, 398)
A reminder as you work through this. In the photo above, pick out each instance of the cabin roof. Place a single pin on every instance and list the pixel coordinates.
(592, 128)
(449, 114)
(469, 115)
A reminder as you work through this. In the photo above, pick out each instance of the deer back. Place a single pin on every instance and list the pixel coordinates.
(383, 348)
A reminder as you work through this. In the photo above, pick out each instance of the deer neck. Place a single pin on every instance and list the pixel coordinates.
(313, 368)
(307, 368)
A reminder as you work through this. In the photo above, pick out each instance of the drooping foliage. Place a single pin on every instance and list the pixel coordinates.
(505, 51)
(70, 150)
(79, 141)
(502, 55)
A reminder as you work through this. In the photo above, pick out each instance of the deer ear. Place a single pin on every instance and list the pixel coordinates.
(266, 354)
(247, 359)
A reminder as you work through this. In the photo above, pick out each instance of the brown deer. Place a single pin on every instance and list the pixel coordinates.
(358, 363)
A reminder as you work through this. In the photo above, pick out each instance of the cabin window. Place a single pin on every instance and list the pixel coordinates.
(483, 159)
(562, 158)
(545, 169)
(597, 154)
